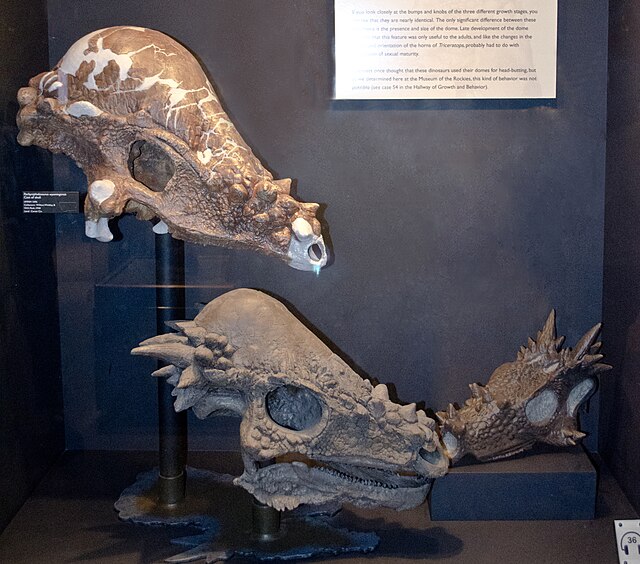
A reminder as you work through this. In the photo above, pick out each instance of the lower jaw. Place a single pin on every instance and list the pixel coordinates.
(324, 487)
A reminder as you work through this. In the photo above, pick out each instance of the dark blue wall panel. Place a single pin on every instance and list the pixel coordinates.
(31, 424)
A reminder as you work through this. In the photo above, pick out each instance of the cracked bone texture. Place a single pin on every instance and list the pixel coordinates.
(533, 399)
(125, 87)
(335, 437)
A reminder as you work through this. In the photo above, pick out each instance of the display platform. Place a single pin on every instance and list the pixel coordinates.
(70, 518)
(545, 483)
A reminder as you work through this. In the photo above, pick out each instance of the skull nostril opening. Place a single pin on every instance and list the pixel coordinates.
(315, 252)
(430, 457)
(150, 165)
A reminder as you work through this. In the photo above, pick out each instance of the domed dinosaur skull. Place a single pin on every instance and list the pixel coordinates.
(136, 112)
(333, 435)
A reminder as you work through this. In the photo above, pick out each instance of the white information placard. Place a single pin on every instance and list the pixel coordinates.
(393, 49)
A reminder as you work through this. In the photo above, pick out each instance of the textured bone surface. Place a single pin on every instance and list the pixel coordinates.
(334, 436)
(136, 112)
(533, 399)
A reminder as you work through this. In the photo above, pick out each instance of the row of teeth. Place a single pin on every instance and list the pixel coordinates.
(347, 477)
(354, 479)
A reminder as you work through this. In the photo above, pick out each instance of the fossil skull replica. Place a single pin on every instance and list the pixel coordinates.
(134, 109)
(334, 436)
(533, 399)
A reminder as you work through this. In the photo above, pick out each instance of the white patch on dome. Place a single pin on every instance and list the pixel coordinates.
(100, 190)
(51, 77)
(176, 97)
(44, 81)
(150, 81)
(57, 84)
(205, 156)
(79, 53)
(83, 108)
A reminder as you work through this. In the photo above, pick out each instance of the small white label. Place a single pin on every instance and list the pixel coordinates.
(628, 540)
(50, 202)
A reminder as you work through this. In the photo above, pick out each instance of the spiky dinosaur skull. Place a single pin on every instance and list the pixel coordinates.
(533, 399)
(136, 112)
(333, 436)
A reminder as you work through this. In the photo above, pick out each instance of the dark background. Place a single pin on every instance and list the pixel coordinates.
(31, 424)
(620, 440)
(456, 226)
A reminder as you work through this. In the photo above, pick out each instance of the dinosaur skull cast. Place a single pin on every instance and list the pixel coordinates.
(333, 435)
(336, 438)
(136, 112)
(532, 399)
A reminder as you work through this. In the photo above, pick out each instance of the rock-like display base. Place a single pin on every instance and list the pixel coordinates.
(223, 513)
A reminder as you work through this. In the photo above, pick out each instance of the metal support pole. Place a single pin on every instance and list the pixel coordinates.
(172, 426)
(265, 522)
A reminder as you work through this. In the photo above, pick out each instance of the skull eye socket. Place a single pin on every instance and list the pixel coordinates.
(542, 408)
(578, 394)
(293, 407)
(150, 165)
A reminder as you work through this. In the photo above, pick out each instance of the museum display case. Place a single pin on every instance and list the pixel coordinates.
(429, 240)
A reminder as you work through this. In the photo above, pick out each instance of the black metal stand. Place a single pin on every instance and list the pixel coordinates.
(265, 522)
(172, 426)
(215, 506)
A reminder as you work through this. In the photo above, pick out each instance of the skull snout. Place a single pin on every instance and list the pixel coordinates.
(26, 96)
(307, 250)
(431, 460)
